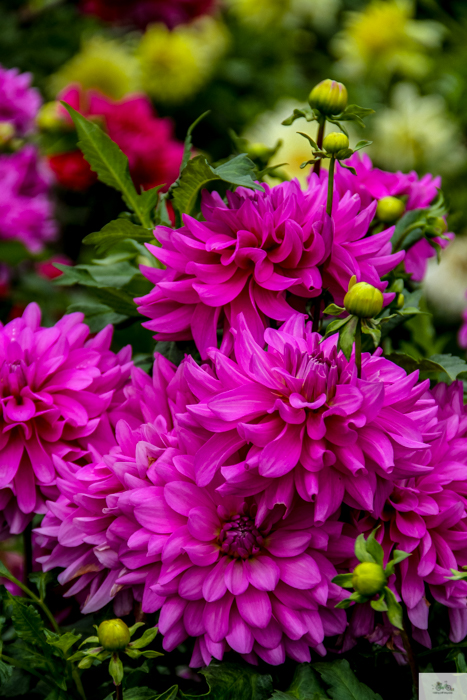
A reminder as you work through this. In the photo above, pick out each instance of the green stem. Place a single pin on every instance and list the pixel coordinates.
(27, 544)
(319, 143)
(37, 600)
(406, 233)
(316, 314)
(18, 664)
(358, 348)
(410, 659)
(332, 165)
(77, 680)
(119, 692)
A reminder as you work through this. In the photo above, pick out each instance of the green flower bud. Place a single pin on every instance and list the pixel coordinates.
(7, 131)
(51, 117)
(440, 225)
(329, 96)
(113, 635)
(389, 209)
(400, 301)
(335, 142)
(363, 300)
(259, 150)
(368, 578)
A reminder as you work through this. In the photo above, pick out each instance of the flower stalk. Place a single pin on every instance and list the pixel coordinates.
(319, 143)
(332, 165)
(358, 348)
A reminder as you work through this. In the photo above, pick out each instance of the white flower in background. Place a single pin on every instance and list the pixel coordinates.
(445, 285)
(416, 132)
(295, 149)
(384, 39)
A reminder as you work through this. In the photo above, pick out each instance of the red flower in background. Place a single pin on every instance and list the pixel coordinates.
(154, 155)
(143, 12)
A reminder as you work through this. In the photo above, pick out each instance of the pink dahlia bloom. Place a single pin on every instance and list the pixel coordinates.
(154, 155)
(79, 533)
(26, 210)
(58, 394)
(263, 254)
(296, 418)
(19, 102)
(462, 335)
(372, 184)
(143, 12)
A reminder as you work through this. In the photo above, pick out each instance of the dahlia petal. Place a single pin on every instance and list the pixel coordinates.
(216, 617)
(193, 618)
(236, 579)
(287, 544)
(262, 572)
(283, 453)
(214, 586)
(240, 637)
(300, 571)
(10, 457)
(203, 524)
(255, 607)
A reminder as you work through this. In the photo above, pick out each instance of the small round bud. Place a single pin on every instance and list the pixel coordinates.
(389, 209)
(113, 635)
(335, 142)
(7, 131)
(329, 96)
(440, 225)
(400, 301)
(368, 578)
(258, 150)
(363, 300)
(51, 117)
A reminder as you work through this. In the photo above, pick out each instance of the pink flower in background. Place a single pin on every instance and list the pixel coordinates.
(143, 12)
(26, 210)
(147, 140)
(372, 184)
(47, 268)
(58, 394)
(462, 335)
(295, 418)
(19, 102)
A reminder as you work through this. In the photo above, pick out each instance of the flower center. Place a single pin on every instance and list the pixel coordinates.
(12, 378)
(239, 537)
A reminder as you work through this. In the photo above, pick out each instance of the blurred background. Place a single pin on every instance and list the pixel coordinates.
(146, 69)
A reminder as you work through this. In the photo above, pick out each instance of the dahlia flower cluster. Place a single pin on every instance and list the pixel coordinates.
(26, 210)
(143, 12)
(154, 155)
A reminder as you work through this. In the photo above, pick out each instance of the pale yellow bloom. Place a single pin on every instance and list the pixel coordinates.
(261, 13)
(416, 132)
(103, 64)
(445, 285)
(384, 39)
(295, 149)
(176, 64)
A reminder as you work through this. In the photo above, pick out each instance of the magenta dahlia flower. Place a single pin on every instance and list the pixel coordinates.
(295, 418)
(19, 102)
(372, 184)
(58, 393)
(154, 155)
(263, 255)
(462, 335)
(26, 210)
(143, 12)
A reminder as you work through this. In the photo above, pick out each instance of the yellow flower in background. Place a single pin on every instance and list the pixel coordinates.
(295, 149)
(385, 39)
(416, 132)
(261, 13)
(103, 64)
(176, 64)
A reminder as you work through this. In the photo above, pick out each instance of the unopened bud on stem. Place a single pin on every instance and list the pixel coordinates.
(329, 96)
(389, 209)
(363, 300)
(368, 578)
(114, 635)
(335, 142)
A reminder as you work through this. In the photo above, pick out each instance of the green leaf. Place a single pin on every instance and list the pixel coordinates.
(148, 200)
(397, 557)
(343, 580)
(145, 639)
(343, 683)
(169, 694)
(361, 551)
(347, 336)
(374, 548)
(151, 654)
(189, 141)
(371, 329)
(232, 681)
(116, 231)
(140, 694)
(121, 302)
(306, 684)
(133, 653)
(379, 605)
(97, 315)
(6, 673)
(64, 642)
(40, 579)
(348, 167)
(461, 665)
(107, 160)
(198, 174)
(313, 144)
(451, 364)
(135, 627)
(362, 144)
(305, 113)
(334, 310)
(26, 621)
(116, 668)
(334, 326)
(394, 612)
(13, 252)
